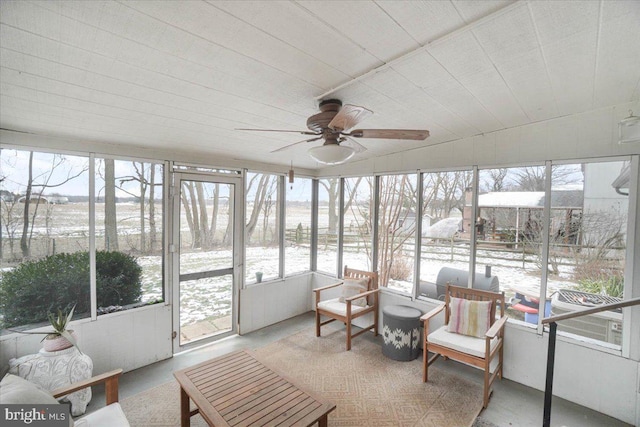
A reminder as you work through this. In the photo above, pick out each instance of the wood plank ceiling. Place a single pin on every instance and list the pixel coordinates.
(183, 75)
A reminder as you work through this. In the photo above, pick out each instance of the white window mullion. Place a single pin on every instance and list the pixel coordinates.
(92, 237)
(472, 226)
(546, 226)
(630, 323)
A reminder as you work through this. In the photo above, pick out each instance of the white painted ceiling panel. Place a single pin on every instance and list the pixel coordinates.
(234, 34)
(529, 81)
(297, 27)
(424, 21)
(366, 24)
(472, 10)
(519, 61)
(465, 59)
(571, 67)
(521, 40)
(184, 75)
(435, 81)
(557, 21)
(618, 58)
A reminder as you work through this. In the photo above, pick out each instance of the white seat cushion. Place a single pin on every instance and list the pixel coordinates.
(109, 416)
(15, 389)
(463, 343)
(335, 306)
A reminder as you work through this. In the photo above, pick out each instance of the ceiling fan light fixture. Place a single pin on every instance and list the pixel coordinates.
(629, 129)
(331, 154)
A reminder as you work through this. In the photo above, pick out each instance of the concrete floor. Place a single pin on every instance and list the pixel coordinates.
(511, 404)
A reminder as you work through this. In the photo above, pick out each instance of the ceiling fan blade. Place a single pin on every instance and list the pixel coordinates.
(357, 147)
(348, 117)
(390, 133)
(296, 143)
(303, 132)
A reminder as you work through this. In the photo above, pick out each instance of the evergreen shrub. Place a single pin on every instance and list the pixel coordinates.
(34, 289)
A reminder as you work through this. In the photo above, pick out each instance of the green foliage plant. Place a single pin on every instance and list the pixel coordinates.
(33, 289)
(612, 286)
(599, 276)
(59, 324)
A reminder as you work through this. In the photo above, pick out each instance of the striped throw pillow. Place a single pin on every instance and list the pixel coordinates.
(467, 317)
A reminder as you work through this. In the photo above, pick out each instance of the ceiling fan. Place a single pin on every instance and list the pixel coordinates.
(333, 123)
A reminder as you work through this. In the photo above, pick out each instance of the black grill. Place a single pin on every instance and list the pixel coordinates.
(586, 299)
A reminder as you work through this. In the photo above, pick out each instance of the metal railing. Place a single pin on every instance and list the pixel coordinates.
(551, 352)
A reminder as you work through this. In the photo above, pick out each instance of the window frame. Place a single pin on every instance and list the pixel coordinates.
(92, 157)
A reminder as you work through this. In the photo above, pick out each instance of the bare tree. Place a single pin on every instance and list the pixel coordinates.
(34, 194)
(214, 212)
(265, 195)
(153, 232)
(444, 191)
(145, 175)
(361, 210)
(332, 187)
(496, 181)
(397, 201)
(530, 178)
(10, 217)
(192, 201)
(110, 219)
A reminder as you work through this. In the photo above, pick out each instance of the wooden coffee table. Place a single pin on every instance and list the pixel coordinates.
(239, 390)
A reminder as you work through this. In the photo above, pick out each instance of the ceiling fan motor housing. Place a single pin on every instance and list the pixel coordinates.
(328, 110)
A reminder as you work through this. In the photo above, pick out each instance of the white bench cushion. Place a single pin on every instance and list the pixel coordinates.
(109, 416)
(335, 306)
(463, 343)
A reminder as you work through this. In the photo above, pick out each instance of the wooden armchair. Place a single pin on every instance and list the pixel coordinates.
(17, 390)
(471, 333)
(359, 297)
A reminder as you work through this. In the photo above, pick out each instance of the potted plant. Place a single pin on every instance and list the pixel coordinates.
(60, 338)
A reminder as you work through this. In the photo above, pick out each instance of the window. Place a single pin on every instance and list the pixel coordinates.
(298, 226)
(446, 228)
(397, 216)
(587, 246)
(328, 215)
(509, 231)
(129, 229)
(358, 214)
(44, 201)
(262, 256)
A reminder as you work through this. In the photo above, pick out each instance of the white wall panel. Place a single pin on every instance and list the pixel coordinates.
(271, 302)
(506, 148)
(532, 144)
(128, 339)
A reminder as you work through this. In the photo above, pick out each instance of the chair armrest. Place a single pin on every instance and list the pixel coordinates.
(109, 378)
(317, 290)
(497, 327)
(364, 294)
(432, 313)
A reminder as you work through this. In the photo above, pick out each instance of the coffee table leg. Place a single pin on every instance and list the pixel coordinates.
(185, 419)
(322, 422)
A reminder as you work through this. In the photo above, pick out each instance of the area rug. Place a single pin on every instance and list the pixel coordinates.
(368, 388)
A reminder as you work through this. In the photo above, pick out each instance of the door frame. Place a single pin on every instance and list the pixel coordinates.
(237, 183)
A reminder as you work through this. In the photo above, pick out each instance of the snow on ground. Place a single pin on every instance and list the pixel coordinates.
(200, 299)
